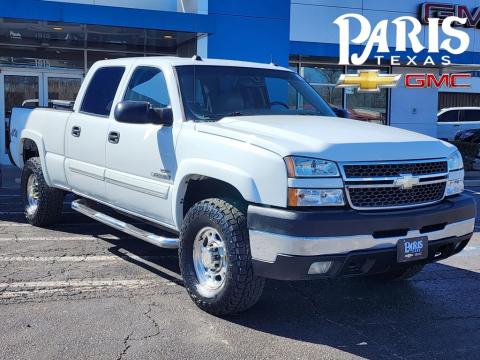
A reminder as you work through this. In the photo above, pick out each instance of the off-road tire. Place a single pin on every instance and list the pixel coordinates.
(242, 289)
(399, 275)
(50, 201)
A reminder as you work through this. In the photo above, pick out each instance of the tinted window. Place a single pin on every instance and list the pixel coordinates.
(214, 92)
(101, 90)
(470, 115)
(449, 116)
(148, 84)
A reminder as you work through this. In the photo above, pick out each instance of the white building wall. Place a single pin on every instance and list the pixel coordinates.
(414, 109)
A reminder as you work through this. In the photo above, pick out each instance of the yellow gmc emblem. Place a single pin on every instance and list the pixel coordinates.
(368, 80)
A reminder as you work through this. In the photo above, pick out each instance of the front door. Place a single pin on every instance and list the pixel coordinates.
(31, 89)
(141, 159)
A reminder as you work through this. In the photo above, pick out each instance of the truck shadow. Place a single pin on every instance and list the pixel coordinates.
(434, 315)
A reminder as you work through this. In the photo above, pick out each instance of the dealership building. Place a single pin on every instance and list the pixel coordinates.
(47, 46)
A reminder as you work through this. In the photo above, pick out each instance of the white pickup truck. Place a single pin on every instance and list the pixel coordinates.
(251, 172)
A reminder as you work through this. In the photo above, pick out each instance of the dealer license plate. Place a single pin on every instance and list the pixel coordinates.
(412, 249)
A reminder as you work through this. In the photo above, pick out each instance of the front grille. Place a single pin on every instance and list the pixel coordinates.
(390, 197)
(372, 186)
(395, 169)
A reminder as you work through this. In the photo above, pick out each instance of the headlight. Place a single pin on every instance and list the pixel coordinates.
(315, 197)
(455, 161)
(307, 167)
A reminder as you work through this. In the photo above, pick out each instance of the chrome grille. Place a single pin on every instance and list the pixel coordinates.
(380, 197)
(375, 186)
(387, 170)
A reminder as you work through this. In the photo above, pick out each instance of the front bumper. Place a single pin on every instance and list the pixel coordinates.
(284, 243)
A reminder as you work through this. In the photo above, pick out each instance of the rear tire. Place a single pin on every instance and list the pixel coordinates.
(399, 275)
(215, 258)
(42, 203)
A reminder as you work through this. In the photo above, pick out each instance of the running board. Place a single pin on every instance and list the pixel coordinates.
(82, 207)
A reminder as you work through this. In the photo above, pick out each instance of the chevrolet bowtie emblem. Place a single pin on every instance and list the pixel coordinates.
(407, 181)
(368, 80)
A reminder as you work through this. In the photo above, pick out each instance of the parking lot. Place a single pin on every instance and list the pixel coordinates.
(82, 290)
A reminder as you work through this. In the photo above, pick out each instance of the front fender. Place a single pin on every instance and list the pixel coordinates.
(232, 175)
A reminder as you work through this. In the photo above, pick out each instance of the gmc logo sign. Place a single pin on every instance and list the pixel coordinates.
(442, 11)
(417, 81)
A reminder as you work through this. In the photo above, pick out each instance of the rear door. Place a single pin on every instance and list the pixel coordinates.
(447, 125)
(141, 161)
(87, 130)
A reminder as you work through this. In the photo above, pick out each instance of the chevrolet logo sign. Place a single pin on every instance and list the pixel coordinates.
(407, 181)
(368, 80)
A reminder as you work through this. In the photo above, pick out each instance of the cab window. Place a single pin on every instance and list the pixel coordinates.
(148, 84)
(448, 116)
(470, 115)
(101, 90)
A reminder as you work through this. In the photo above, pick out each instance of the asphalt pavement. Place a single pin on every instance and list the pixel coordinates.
(80, 290)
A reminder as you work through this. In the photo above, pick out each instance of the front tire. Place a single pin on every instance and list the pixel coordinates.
(215, 258)
(42, 203)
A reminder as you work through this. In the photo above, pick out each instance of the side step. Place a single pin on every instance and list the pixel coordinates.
(82, 207)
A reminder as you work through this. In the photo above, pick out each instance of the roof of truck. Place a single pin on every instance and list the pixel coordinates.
(177, 61)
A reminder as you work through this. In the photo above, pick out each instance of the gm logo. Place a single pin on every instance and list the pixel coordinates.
(407, 181)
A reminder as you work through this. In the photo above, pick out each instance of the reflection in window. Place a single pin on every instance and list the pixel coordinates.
(323, 79)
(367, 106)
(148, 84)
(361, 106)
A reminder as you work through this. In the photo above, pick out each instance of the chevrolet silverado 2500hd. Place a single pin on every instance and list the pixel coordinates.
(249, 169)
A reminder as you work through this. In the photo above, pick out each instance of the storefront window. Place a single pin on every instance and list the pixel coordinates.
(372, 107)
(367, 106)
(323, 79)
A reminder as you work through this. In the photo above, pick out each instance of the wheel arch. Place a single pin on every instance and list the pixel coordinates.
(202, 179)
(30, 145)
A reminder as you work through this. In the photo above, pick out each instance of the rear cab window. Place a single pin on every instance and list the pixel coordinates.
(101, 90)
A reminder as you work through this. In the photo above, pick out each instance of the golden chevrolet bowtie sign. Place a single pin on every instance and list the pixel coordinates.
(368, 80)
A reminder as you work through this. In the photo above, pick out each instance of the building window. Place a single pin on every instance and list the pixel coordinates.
(323, 79)
(372, 107)
(367, 106)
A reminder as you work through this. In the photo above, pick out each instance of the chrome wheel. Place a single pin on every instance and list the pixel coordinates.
(33, 195)
(210, 261)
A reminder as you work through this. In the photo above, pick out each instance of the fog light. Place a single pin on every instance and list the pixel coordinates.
(454, 187)
(321, 267)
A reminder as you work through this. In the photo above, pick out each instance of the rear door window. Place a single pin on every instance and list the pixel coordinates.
(448, 116)
(101, 90)
(470, 115)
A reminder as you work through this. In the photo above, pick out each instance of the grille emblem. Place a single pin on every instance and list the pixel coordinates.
(407, 181)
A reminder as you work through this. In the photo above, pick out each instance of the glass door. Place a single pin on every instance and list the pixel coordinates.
(32, 89)
(61, 89)
(16, 89)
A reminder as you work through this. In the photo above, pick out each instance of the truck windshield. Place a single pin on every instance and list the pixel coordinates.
(210, 93)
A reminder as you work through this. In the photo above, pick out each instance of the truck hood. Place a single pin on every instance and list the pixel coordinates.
(328, 138)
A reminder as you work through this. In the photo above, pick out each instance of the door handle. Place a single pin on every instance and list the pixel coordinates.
(113, 137)
(76, 130)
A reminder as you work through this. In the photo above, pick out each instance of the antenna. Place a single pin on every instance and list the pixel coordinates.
(197, 58)
(271, 60)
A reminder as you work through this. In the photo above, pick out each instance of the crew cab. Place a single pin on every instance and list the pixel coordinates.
(250, 171)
